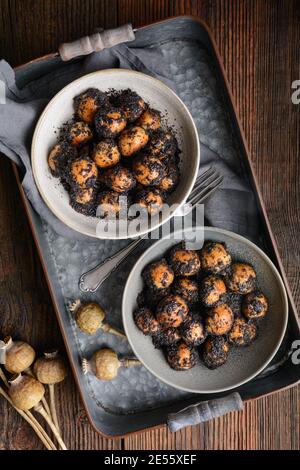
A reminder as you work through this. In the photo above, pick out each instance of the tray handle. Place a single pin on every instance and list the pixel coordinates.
(96, 42)
(204, 411)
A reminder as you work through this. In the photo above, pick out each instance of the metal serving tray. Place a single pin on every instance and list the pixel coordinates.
(136, 400)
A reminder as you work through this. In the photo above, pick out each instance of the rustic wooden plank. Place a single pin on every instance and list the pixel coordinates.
(258, 41)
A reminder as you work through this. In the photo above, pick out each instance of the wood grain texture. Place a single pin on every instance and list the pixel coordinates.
(259, 43)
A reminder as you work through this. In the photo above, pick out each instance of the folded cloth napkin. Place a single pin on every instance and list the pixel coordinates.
(23, 107)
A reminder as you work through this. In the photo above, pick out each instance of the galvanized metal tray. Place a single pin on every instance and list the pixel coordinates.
(136, 400)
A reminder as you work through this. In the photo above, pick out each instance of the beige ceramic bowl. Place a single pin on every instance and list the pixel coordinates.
(243, 363)
(60, 109)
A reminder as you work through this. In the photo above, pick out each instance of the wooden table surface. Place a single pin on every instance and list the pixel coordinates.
(259, 43)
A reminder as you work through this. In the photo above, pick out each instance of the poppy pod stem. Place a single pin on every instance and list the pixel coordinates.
(39, 409)
(28, 416)
(129, 362)
(110, 329)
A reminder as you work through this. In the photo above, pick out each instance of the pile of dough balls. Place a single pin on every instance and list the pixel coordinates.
(197, 305)
(115, 146)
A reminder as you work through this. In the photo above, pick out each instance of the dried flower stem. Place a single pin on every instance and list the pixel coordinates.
(53, 407)
(39, 409)
(29, 418)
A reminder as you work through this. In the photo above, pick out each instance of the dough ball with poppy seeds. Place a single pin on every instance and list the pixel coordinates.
(163, 144)
(109, 123)
(106, 153)
(219, 320)
(83, 173)
(78, 133)
(242, 278)
(59, 156)
(145, 321)
(187, 288)
(88, 103)
(132, 140)
(242, 333)
(150, 120)
(184, 262)
(131, 104)
(148, 170)
(119, 179)
(158, 275)
(214, 257)
(171, 311)
(166, 337)
(83, 201)
(108, 204)
(215, 351)
(181, 357)
(150, 199)
(193, 332)
(255, 305)
(170, 180)
(212, 288)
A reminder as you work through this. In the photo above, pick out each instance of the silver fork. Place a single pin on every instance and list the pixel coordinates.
(205, 185)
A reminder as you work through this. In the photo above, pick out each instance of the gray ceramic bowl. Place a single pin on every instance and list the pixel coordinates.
(244, 363)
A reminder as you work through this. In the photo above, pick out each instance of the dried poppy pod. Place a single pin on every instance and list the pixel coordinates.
(105, 364)
(50, 370)
(150, 120)
(26, 392)
(132, 140)
(90, 318)
(18, 355)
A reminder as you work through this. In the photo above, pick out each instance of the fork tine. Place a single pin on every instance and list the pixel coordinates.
(211, 175)
(201, 178)
(206, 191)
